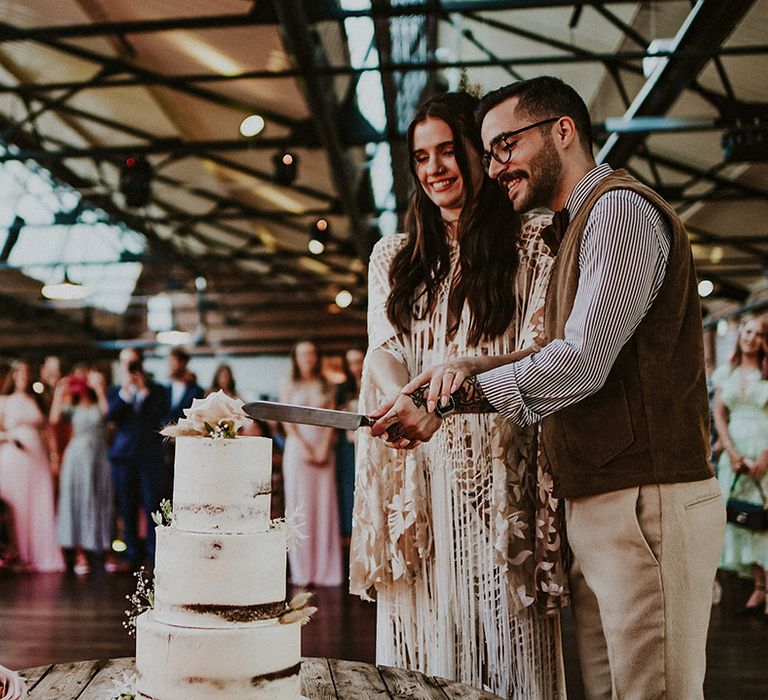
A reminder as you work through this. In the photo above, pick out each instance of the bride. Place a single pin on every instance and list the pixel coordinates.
(458, 540)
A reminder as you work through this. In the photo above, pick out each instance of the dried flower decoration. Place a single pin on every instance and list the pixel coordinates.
(164, 516)
(216, 416)
(140, 601)
(124, 687)
(293, 525)
(298, 610)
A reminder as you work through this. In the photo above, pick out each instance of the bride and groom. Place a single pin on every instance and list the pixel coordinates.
(618, 390)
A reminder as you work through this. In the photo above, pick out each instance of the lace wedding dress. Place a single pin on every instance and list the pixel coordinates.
(459, 540)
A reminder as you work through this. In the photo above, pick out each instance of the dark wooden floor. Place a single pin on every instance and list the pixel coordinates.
(48, 618)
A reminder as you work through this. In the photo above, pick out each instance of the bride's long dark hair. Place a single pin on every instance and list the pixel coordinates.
(487, 232)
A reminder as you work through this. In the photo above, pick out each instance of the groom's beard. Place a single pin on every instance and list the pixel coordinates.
(541, 182)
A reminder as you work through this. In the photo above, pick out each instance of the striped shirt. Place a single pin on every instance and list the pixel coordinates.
(622, 261)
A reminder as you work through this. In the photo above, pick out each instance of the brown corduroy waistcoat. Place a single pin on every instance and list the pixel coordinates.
(649, 423)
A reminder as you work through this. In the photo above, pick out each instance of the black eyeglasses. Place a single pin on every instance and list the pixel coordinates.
(501, 149)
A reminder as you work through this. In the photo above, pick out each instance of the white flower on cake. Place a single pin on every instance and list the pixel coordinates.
(216, 416)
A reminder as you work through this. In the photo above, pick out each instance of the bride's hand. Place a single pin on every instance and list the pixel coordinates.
(446, 378)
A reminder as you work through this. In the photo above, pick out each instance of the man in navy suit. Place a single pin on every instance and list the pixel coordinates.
(137, 407)
(182, 390)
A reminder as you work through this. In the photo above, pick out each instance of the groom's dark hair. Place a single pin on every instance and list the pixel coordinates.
(539, 98)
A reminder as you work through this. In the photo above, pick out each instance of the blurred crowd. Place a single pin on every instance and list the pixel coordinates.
(83, 465)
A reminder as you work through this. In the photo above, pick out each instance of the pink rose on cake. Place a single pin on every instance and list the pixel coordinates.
(216, 416)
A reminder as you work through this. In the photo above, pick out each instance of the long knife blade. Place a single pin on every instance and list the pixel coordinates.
(288, 413)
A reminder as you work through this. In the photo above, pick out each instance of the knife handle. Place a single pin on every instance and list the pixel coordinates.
(366, 422)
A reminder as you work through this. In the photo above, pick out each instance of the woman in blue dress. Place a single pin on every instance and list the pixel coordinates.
(85, 487)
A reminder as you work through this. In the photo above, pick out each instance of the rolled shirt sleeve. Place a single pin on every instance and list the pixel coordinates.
(623, 259)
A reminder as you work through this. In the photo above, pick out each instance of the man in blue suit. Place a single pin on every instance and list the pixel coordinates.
(137, 407)
(183, 389)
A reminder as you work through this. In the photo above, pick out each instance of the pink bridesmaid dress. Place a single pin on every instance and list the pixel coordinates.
(311, 488)
(26, 483)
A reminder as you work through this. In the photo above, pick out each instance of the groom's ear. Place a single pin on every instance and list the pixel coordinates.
(565, 133)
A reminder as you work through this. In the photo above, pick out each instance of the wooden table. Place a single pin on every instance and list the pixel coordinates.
(321, 679)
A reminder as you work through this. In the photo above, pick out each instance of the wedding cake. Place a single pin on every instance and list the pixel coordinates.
(219, 625)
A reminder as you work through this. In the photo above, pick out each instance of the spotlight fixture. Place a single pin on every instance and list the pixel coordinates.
(285, 164)
(135, 178)
(318, 236)
(252, 125)
(746, 142)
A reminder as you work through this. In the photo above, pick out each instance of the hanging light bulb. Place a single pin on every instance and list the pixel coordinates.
(66, 290)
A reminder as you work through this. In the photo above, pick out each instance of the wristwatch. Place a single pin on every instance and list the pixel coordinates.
(443, 411)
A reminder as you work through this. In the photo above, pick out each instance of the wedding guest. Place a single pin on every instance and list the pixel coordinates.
(308, 474)
(741, 418)
(224, 380)
(12, 686)
(27, 465)
(183, 385)
(444, 538)
(137, 407)
(85, 485)
(347, 397)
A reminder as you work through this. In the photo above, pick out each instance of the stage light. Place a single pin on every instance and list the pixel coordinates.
(285, 164)
(252, 125)
(135, 180)
(38, 387)
(706, 287)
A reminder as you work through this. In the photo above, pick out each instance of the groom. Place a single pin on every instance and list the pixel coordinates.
(620, 393)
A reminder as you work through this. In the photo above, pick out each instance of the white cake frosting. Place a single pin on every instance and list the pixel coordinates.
(219, 588)
(183, 663)
(222, 485)
(218, 580)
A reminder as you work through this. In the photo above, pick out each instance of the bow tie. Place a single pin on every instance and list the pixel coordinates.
(553, 234)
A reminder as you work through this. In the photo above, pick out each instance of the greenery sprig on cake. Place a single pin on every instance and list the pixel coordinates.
(164, 516)
(216, 416)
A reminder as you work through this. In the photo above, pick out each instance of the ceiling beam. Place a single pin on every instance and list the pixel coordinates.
(182, 82)
(707, 26)
(150, 77)
(316, 12)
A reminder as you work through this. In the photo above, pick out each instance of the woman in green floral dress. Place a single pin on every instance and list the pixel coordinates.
(741, 418)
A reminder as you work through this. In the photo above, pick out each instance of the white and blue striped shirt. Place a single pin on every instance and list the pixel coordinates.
(622, 261)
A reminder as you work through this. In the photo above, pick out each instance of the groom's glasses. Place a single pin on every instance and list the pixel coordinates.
(501, 148)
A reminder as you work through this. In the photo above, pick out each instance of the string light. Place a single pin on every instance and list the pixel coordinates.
(252, 125)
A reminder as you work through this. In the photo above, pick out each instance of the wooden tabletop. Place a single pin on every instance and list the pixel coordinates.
(321, 679)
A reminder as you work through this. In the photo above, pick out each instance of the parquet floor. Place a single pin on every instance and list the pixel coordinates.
(48, 618)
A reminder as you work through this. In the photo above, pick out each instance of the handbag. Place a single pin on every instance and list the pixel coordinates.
(751, 516)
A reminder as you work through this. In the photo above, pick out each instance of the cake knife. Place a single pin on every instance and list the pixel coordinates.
(289, 413)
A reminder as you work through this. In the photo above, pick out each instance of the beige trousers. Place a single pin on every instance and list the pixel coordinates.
(644, 562)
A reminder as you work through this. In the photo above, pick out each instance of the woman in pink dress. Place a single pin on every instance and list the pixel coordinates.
(309, 477)
(26, 472)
